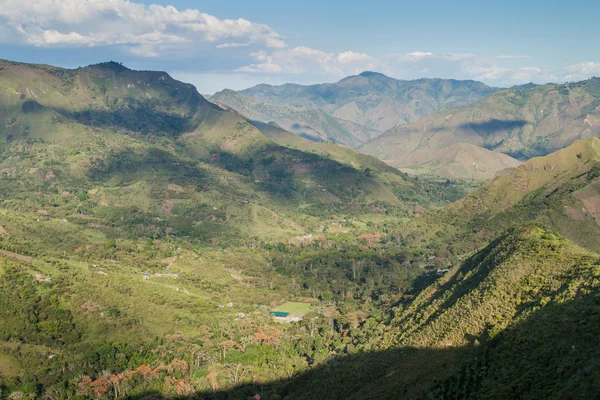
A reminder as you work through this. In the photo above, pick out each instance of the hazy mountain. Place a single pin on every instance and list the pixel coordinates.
(521, 123)
(460, 160)
(362, 106)
(310, 123)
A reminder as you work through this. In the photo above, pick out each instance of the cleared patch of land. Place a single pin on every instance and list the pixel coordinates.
(16, 256)
(8, 366)
(294, 308)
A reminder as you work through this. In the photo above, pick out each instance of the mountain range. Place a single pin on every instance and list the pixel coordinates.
(106, 126)
(519, 123)
(154, 244)
(354, 110)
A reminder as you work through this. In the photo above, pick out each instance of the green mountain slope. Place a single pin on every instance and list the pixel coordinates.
(522, 123)
(140, 145)
(361, 106)
(560, 190)
(515, 320)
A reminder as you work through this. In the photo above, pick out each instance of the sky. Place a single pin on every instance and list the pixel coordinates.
(236, 44)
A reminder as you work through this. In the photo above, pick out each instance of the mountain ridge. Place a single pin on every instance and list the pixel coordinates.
(521, 123)
(372, 101)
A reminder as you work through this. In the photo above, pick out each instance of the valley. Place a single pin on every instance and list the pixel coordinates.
(154, 244)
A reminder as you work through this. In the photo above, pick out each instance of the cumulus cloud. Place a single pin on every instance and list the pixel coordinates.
(232, 45)
(416, 55)
(348, 57)
(143, 30)
(582, 70)
(509, 57)
(293, 61)
(495, 70)
(253, 49)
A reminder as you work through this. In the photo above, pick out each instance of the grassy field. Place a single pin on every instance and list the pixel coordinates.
(9, 367)
(295, 308)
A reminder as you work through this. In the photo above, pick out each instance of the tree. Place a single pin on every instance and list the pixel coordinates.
(236, 372)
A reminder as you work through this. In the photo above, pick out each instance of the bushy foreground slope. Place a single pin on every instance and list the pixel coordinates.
(560, 190)
(517, 320)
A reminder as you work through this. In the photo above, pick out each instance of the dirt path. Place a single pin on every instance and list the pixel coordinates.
(16, 256)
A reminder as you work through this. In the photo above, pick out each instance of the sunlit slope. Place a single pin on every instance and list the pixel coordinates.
(521, 123)
(138, 145)
(559, 190)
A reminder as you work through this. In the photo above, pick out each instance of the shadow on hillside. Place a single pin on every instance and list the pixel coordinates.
(155, 163)
(406, 373)
(553, 353)
(140, 117)
(494, 125)
(461, 287)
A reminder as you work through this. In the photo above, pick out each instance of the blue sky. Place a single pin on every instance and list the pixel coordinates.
(236, 44)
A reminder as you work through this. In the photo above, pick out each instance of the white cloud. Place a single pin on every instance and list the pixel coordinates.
(509, 57)
(293, 61)
(483, 69)
(419, 54)
(143, 30)
(348, 57)
(582, 71)
(232, 45)
(256, 50)
(494, 70)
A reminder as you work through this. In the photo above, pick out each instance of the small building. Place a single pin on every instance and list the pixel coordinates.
(279, 313)
(146, 275)
(229, 304)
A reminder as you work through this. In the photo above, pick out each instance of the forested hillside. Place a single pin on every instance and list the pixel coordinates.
(155, 245)
(149, 233)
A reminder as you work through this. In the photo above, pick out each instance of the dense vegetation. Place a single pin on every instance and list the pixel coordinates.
(146, 234)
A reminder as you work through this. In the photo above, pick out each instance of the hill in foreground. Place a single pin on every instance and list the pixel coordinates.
(516, 319)
(559, 190)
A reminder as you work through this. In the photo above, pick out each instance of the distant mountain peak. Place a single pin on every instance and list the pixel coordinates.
(110, 65)
(368, 74)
